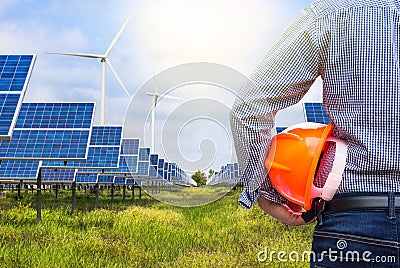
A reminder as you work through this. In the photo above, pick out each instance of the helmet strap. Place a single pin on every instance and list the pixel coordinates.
(318, 206)
(335, 176)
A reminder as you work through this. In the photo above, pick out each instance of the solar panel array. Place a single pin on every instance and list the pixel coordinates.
(57, 142)
(138, 164)
(50, 131)
(104, 149)
(315, 112)
(128, 160)
(15, 71)
(59, 134)
(228, 173)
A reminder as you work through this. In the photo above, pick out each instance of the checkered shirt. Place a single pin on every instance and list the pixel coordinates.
(353, 45)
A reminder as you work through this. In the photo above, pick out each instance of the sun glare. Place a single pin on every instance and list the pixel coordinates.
(187, 30)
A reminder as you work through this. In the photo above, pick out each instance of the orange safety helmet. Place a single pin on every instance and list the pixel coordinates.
(293, 160)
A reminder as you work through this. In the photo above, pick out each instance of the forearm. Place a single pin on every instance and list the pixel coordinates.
(252, 136)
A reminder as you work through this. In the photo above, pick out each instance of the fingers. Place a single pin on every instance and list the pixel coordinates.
(295, 207)
(281, 212)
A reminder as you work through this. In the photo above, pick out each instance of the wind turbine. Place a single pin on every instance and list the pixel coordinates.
(156, 97)
(104, 61)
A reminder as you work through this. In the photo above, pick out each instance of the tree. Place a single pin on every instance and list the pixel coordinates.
(210, 173)
(200, 178)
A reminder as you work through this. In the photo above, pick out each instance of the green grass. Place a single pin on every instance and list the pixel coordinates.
(143, 233)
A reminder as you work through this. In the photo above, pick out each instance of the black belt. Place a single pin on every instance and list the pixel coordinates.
(360, 203)
(350, 204)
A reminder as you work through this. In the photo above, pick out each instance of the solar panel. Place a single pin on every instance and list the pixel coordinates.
(154, 159)
(128, 160)
(106, 136)
(8, 111)
(50, 131)
(86, 178)
(15, 71)
(160, 168)
(315, 112)
(58, 175)
(160, 163)
(143, 168)
(104, 149)
(173, 169)
(119, 181)
(127, 166)
(153, 169)
(236, 168)
(55, 115)
(129, 163)
(169, 170)
(131, 181)
(19, 170)
(104, 179)
(144, 154)
(143, 162)
(129, 156)
(130, 147)
(177, 174)
(165, 175)
(91, 171)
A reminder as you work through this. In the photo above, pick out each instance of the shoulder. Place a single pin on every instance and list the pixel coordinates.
(323, 8)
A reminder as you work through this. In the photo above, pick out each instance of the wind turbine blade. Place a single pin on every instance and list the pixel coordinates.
(110, 47)
(171, 97)
(83, 55)
(117, 77)
(163, 96)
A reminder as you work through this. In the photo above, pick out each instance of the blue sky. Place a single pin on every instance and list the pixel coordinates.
(161, 34)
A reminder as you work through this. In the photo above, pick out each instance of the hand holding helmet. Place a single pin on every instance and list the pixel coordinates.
(293, 160)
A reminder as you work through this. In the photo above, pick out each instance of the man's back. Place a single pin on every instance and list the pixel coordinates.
(359, 43)
(354, 46)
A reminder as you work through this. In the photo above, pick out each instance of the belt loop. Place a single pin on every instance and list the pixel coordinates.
(391, 206)
(320, 219)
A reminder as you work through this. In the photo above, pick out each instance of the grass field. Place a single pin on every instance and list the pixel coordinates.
(143, 233)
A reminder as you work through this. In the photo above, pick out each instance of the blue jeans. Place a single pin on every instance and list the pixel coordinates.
(357, 239)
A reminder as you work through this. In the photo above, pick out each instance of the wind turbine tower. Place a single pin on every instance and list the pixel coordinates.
(156, 96)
